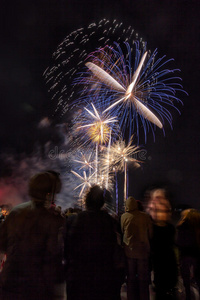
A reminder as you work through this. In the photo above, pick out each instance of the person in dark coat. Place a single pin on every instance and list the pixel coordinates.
(32, 239)
(164, 260)
(92, 241)
(188, 242)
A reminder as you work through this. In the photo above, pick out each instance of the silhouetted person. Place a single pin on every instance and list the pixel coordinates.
(163, 243)
(188, 242)
(137, 232)
(119, 256)
(92, 242)
(32, 239)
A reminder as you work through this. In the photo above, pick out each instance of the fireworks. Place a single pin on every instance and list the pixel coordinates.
(86, 181)
(137, 86)
(117, 159)
(85, 161)
(113, 89)
(69, 58)
(98, 131)
(121, 153)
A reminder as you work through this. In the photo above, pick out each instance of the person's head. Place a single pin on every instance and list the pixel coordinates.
(191, 216)
(43, 186)
(95, 198)
(131, 204)
(158, 194)
(185, 212)
(159, 206)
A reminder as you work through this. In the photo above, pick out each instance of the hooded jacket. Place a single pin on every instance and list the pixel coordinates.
(137, 231)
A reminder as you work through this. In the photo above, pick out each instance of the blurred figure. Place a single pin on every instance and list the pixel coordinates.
(188, 242)
(163, 246)
(92, 241)
(158, 200)
(119, 256)
(31, 237)
(137, 233)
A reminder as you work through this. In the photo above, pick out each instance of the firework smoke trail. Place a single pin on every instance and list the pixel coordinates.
(91, 128)
(98, 131)
(116, 193)
(69, 59)
(121, 155)
(116, 161)
(136, 84)
(119, 152)
(108, 154)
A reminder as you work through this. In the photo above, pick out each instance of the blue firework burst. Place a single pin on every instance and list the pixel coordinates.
(137, 86)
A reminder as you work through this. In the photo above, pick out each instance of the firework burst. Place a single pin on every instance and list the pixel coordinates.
(99, 130)
(69, 58)
(120, 155)
(95, 129)
(98, 75)
(137, 85)
(87, 181)
(85, 161)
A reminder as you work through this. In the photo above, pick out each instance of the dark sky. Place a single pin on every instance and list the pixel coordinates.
(32, 30)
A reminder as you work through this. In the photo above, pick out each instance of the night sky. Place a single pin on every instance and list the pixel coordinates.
(31, 32)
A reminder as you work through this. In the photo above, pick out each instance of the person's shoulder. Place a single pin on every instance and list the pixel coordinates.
(82, 215)
(18, 211)
(21, 207)
(126, 215)
(107, 216)
(53, 220)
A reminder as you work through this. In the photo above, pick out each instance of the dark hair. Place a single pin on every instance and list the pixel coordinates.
(95, 198)
(43, 183)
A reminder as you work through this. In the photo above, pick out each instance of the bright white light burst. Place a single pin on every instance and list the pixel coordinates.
(129, 95)
(98, 131)
(86, 181)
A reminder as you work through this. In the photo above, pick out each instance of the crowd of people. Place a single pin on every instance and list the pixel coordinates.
(4, 211)
(90, 254)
